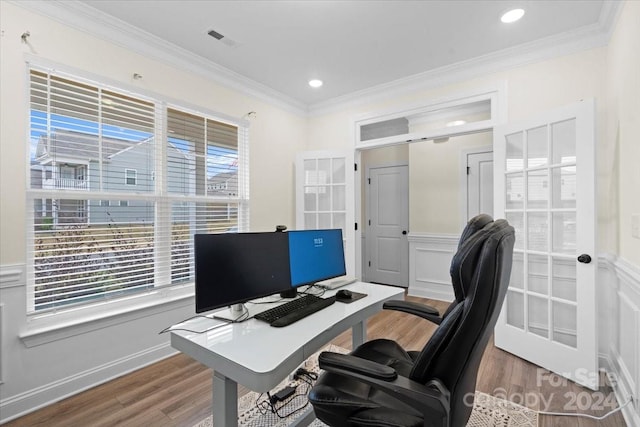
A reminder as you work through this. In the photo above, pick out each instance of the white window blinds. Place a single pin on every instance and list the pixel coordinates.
(207, 167)
(112, 211)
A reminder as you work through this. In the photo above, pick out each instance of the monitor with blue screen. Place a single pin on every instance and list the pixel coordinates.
(315, 255)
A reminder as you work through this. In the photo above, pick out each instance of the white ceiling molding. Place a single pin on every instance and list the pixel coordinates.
(588, 37)
(91, 21)
(609, 16)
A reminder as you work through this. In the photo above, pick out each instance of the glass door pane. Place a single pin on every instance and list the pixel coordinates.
(324, 190)
(564, 319)
(540, 203)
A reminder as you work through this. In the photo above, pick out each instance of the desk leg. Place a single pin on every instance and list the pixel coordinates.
(225, 401)
(358, 334)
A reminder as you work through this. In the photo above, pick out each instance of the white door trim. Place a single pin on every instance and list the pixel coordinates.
(499, 116)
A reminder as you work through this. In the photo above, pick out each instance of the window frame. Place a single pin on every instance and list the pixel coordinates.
(134, 177)
(171, 292)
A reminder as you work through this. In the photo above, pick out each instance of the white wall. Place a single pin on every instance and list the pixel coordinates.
(434, 181)
(69, 359)
(623, 126)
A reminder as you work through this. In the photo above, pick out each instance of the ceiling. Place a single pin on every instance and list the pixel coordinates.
(351, 45)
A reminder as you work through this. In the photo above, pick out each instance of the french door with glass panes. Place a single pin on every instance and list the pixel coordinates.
(325, 196)
(545, 173)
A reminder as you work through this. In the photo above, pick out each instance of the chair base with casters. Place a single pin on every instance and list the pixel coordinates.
(382, 384)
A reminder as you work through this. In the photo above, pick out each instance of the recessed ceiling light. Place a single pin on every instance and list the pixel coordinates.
(456, 123)
(512, 15)
(315, 83)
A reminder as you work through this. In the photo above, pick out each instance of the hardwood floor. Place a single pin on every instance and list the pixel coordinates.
(177, 390)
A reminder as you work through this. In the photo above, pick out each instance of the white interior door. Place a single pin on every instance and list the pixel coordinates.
(479, 183)
(325, 196)
(387, 257)
(545, 187)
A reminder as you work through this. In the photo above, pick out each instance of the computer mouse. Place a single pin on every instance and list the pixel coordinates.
(344, 294)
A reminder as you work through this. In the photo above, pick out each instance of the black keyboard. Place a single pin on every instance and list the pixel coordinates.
(295, 310)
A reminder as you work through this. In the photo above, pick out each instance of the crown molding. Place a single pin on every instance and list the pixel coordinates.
(84, 18)
(570, 42)
(609, 14)
(91, 21)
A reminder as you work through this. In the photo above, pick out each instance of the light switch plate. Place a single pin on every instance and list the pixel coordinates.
(635, 226)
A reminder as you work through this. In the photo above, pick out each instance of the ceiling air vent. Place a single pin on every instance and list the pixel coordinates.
(226, 40)
(216, 35)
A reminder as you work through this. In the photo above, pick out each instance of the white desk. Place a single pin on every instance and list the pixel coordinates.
(258, 356)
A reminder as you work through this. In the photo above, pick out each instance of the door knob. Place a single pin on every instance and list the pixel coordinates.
(404, 232)
(584, 258)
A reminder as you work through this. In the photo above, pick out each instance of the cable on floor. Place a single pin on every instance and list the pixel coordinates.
(593, 417)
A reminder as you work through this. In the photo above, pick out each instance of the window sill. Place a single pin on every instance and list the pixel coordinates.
(53, 326)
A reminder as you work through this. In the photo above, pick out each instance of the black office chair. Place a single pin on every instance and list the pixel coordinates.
(475, 224)
(381, 384)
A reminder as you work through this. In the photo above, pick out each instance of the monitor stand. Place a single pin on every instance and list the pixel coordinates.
(236, 308)
(291, 293)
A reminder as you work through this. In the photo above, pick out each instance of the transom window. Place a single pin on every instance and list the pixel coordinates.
(114, 198)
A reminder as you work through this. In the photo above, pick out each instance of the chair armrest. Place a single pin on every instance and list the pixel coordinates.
(432, 399)
(421, 310)
(357, 364)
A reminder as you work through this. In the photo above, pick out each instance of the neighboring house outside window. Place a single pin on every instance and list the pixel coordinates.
(89, 242)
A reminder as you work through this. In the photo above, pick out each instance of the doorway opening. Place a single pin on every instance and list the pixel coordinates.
(437, 191)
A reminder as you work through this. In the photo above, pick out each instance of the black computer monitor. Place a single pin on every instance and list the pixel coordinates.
(232, 268)
(315, 255)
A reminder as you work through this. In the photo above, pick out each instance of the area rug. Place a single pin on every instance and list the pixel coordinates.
(255, 411)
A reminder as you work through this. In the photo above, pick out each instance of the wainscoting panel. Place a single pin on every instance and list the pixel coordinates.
(619, 318)
(11, 276)
(429, 261)
(628, 351)
(1, 336)
(34, 377)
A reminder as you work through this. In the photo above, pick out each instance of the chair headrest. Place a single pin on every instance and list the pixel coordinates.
(467, 254)
(474, 225)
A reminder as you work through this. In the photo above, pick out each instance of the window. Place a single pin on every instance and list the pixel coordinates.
(130, 176)
(84, 139)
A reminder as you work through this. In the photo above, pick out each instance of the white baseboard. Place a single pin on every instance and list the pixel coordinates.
(621, 390)
(428, 290)
(24, 403)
